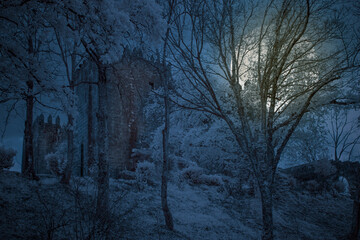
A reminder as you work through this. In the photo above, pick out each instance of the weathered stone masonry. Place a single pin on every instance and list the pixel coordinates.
(129, 83)
(47, 136)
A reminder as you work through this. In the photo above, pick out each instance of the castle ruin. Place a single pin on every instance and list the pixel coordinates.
(129, 83)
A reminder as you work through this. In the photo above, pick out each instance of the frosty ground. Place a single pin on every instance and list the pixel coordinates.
(46, 209)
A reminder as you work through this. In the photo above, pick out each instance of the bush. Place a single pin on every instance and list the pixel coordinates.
(145, 172)
(341, 185)
(53, 163)
(195, 175)
(313, 186)
(212, 180)
(237, 188)
(6, 157)
(56, 161)
(192, 174)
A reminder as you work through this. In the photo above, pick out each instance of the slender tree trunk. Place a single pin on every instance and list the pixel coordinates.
(102, 208)
(165, 75)
(70, 132)
(28, 169)
(28, 158)
(70, 151)
(335, 153)
(90, 143)
(266, 186)
(355, 225)
(165, 170)
(267, 214)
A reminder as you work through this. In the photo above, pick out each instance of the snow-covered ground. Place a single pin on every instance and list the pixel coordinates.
(199, 212)
(39, 210)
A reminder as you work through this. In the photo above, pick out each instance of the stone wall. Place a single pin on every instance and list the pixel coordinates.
(129, 82)
(85, 131)
(47, 136)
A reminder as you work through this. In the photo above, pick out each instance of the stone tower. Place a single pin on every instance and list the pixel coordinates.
(47, 136)
(129, 82)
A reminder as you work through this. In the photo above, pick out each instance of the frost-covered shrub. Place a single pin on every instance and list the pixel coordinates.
(145, 173)
(195, 175)
(52, 160)
(212, 180)
(231, 187)
(180, 162)
(194, 136)
(209, 143)
(56, 161)
(341, 185)
(308, 143)
(237, 188)
(313, 186)
(199, 138)
(6, 157)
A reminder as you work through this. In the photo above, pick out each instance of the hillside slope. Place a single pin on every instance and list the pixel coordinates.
(49, 210)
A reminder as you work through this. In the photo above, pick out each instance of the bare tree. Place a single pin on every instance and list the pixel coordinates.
(260, 66)
(24, 71)
(104, 28)
(165, 75)
(344, 134)
(69, 52)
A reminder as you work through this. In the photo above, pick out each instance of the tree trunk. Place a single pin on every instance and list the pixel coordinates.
(103, 175)
(70, 127)
(267, 215)
(90, 143)
(165, 168)
(335, 153)
(167, 214)
(355, 225)
(165, 75)
(28, 158)
(70, 151)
